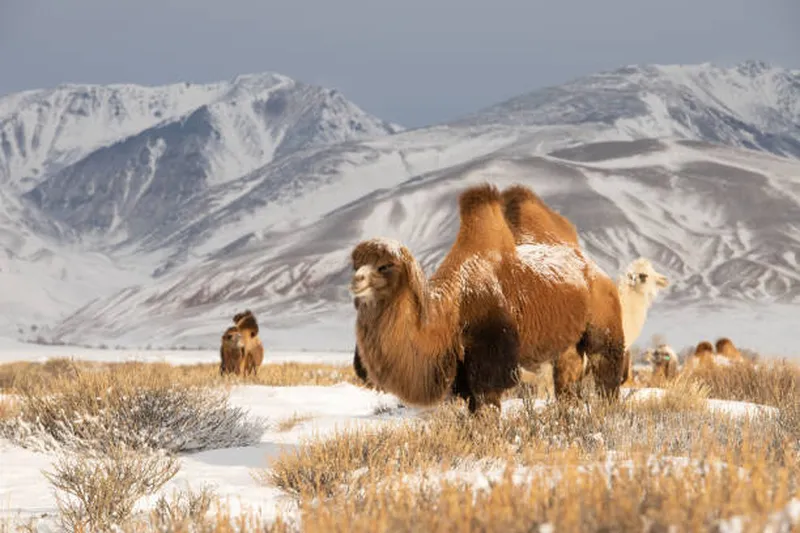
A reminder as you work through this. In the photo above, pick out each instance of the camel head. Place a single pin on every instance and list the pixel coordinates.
(662, 355)
(382, 269)
(246, 322)
(233, 337)
(644, 279)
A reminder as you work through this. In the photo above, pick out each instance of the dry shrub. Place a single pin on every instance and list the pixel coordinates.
(138, 407)
(676, 395)
(23, 375)
(182, 510)
(100, 490)
(203, 512)
(327, 466)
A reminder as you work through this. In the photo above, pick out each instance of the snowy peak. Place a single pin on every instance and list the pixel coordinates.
(125, 189)
(47, 129)
(753, 104)
(43, 131)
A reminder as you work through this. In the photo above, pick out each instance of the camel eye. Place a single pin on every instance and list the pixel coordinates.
(384, 268)
(642, 277)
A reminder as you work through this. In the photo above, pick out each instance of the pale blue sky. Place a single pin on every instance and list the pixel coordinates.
(414, 62)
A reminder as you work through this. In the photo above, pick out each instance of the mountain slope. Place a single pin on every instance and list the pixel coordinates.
(752, 105)
(690, 216)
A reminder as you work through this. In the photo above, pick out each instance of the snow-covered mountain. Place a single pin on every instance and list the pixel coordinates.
(752, 105)
(722, 223)
(237, 200)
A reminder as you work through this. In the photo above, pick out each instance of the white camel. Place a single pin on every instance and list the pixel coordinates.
(638, 288)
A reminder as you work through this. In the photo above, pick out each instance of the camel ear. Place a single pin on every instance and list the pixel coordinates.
(416, 282)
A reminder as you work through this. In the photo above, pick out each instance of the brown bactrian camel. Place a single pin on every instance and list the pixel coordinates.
(254, 350)
(490, 307)
(534, 223)
(231, 351)
(638, 288)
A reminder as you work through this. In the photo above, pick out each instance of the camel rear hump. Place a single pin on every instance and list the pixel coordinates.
(529, 217)
(483, 224)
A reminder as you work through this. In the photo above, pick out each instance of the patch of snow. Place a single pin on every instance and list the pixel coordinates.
(554, 263)
(11, 351)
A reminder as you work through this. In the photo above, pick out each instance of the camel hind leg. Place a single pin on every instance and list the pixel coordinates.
(491, 361)
(568, 369)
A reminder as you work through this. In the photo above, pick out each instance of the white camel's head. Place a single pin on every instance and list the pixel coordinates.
(643, 278)
(662, 355)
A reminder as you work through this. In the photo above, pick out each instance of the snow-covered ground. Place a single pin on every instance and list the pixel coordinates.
(25, 493)
(11, 350)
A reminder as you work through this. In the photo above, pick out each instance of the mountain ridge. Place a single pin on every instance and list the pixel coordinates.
(607, 150)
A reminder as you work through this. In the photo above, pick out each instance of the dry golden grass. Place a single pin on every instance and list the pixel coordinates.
(47, 375)
(8, 408)
(389, 478)
(583, 499)
(775, 383)
(671, 425)
(372, 479)
(289, 423)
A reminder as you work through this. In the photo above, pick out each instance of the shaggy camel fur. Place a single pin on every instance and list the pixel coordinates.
(253, 348)
(725, 347)
(664, 361)
(534, 222)
(231, 351)
(490, 306)
(638, 288)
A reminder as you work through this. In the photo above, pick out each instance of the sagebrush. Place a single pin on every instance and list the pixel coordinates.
(140, 409)
(98, 491)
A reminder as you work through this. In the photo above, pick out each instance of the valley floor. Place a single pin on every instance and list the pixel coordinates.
(267, 479)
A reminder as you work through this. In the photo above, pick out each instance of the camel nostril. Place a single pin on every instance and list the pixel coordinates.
(358, 278)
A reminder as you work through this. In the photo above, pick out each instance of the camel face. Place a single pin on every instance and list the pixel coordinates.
(379, 271)
(232, 350)
(233, 338)
(645, 279)
(662, 355)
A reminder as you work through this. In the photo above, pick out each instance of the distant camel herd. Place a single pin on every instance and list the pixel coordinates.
(514, 291)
